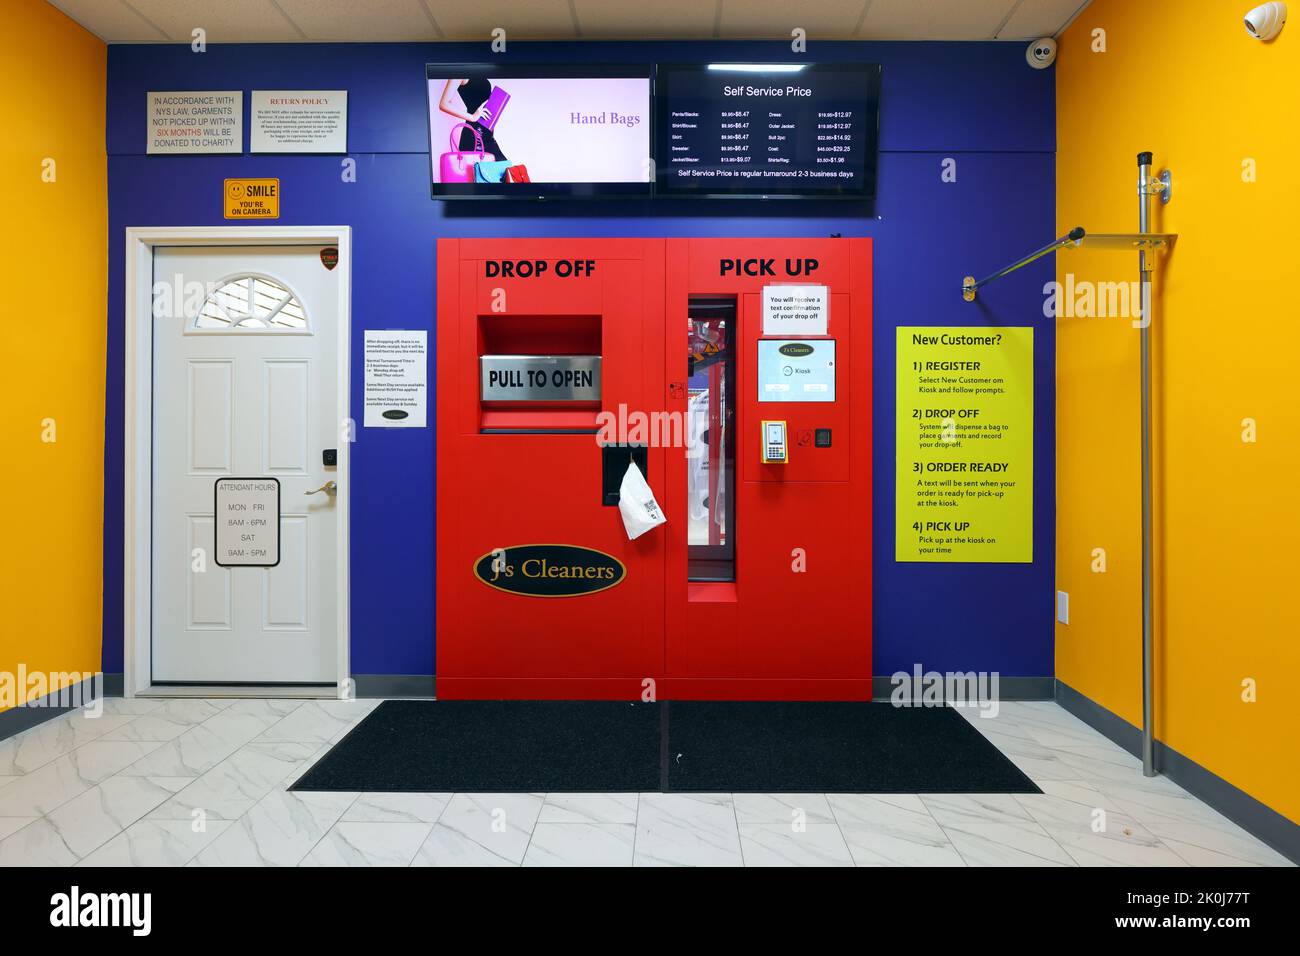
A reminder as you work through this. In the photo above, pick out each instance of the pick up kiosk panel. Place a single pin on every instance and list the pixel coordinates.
(540, 594)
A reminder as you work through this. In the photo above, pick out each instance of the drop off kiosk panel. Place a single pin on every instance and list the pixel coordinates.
(562, 360)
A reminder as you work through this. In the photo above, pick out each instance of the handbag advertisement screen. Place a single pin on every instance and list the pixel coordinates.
(526, 132)
(768, 129)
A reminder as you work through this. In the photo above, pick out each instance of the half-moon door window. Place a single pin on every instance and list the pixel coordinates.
(251, 303)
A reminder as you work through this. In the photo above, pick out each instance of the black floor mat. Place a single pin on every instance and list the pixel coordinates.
(687, 746)
(832, 747)
(495, 746)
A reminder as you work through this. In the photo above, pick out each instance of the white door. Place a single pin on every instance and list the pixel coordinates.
(245, 385)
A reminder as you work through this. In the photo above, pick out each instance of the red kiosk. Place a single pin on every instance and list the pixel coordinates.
(736, 373)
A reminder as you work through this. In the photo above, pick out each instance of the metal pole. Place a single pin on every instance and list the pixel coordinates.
(1148, 635)
(969, 285)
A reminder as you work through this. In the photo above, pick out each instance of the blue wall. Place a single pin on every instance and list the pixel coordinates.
(978, 103)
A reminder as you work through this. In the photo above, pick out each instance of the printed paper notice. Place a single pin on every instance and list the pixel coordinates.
(397, 380)
(196, 121)
(795, 310)
(964, 488)
(299, 121)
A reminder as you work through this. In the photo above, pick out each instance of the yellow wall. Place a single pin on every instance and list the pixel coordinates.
(53, 272)
(1183, 79)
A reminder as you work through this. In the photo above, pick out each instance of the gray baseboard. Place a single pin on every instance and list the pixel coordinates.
(1261, 821)
(394, 685)
(1009, 688)
(422, 685)
(34, 712)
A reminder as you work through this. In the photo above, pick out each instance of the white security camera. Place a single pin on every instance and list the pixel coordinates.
(1041, 53)
(1266, 20)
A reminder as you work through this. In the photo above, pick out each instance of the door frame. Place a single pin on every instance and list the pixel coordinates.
(137, 537)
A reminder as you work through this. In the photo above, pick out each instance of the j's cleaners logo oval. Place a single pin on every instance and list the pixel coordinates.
(796, 349)
(549, 570)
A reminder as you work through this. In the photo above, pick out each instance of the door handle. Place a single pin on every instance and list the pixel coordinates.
(330, 488)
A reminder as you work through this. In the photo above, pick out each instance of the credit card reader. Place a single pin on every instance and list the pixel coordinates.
(775, 448)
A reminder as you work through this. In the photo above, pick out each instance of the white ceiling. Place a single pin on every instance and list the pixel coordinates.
(279, 21)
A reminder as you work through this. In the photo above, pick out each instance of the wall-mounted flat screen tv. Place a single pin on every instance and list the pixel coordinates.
(769, 130)
(533, 132)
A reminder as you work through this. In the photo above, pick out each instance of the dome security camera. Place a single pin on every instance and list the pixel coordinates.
(1041, 53)
(1266, 20)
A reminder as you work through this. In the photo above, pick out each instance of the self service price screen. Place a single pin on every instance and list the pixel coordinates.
(774, 129)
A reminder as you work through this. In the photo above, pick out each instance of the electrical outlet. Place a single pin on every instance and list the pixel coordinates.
(1063, 607)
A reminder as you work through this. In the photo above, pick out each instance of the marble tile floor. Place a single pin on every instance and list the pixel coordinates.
(204, 782)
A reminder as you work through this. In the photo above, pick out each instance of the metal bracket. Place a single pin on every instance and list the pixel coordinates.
(1162, 187)
(1130, 241)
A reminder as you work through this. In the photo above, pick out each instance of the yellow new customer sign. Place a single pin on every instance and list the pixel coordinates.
(965, 445)
(252, 198)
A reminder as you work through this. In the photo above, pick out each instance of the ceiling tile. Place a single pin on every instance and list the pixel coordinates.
(774, 19)
(935, 19)
(374, 22)
(110, 20)
(229, 21)
(253, 21)
(1040, 18)
(531, 20)
(672, 19)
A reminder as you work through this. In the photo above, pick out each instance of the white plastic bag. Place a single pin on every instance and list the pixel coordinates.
(637, 505)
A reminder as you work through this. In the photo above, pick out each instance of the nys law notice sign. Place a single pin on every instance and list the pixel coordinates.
(195, 121)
